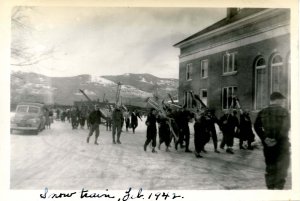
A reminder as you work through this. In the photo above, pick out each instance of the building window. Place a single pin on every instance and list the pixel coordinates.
(227, 94)
(229, 63)
(276, 71)
(261, 95)
(189, 68)
(187, 99)
(203, 96)
(204, 68)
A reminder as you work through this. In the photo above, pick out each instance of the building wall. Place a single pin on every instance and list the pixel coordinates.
(243, 79)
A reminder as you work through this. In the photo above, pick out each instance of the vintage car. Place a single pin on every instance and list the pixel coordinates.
(28, 117)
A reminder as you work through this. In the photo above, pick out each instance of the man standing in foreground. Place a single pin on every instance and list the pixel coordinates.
(117, 120)
(95, 120)
(184, 131)
(272, 126)
(229, 124)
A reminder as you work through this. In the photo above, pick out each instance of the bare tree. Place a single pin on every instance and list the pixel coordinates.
(22, 53)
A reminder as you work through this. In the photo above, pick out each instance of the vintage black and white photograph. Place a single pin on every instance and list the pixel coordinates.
(173, 98)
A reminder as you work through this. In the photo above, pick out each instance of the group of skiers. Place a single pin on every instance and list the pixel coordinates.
(115, 117)
(272, 126)
(174, 124)
(52, 114)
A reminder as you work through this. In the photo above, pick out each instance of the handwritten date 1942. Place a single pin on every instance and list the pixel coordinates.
(152, 196)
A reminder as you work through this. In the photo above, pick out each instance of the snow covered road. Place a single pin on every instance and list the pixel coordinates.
(60, 158)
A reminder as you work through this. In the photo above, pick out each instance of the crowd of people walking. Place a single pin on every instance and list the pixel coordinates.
(272, 126)
(172, 124)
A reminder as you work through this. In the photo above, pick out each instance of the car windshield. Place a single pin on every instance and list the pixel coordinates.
(22, 109)
(33, 109)
(28, 109)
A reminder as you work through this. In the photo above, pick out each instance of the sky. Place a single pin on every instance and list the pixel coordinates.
(108, 40)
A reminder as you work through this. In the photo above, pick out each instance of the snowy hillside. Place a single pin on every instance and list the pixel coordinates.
(65, 90)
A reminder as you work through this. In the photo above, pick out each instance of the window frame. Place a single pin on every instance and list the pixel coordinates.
(272, 65)
(258, 67)
(187, 99)
(230, 66)
(201, 96)
(188, 71)
(227, 96)
(202, 75)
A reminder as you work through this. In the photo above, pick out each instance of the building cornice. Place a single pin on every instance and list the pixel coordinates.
(242, 40)
(265, 14)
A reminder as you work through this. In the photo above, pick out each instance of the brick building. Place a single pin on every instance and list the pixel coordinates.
(246, 54)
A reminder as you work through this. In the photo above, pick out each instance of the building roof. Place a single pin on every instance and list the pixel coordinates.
(245, 12)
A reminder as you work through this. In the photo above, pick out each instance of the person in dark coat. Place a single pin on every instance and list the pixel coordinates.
(109, 119)
(88, 124)
(151, 130)
(134, 120)
(211, 120)
(201, 135)
(117, 121)
(57, 113)
(164, 131)
(95, 120)
(82, 115)
(183, 120)
(272, 126)
(69, 114)
(178, 117)
(63, 115)
(46, 114)
(246, 133)
(229, 124)
(127, 120)
(51, 116)
(75, 114)
(186, 116)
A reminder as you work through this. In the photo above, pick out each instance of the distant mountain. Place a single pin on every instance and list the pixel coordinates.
(65, 90)
(146, 82)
